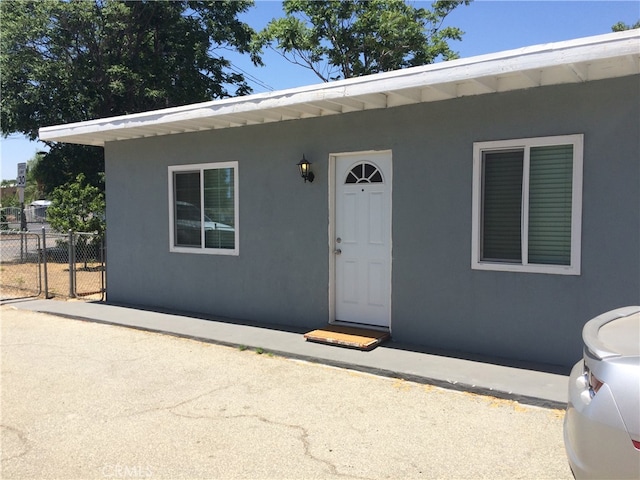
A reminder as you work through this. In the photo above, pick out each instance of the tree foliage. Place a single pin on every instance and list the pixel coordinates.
(621, 26)
(77, 60)
(350, 38)
(64, 161)
(77, 206)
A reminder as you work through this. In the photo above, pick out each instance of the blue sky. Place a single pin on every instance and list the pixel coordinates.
(489, 26)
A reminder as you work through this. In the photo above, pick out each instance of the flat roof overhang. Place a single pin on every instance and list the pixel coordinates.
(575, 61)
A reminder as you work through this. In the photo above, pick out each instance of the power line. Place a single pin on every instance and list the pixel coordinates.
(251, 78)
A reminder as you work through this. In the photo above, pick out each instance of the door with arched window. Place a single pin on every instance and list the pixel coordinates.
(362, 240)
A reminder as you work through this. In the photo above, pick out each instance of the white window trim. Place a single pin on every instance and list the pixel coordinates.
(201, 167)
(573, 268)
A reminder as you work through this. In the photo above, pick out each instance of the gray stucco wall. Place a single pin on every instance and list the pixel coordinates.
(282, 273)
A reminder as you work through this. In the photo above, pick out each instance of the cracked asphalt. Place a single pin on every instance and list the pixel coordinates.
(84, 400)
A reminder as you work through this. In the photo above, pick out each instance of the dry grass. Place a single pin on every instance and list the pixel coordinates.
(22, 280)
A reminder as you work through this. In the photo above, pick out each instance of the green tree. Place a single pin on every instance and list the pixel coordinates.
(621, 26)
(76, 60)
(77, 206)
(350, 38)
(62, 164)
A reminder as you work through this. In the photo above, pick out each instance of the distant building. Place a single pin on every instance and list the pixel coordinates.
(7, 193)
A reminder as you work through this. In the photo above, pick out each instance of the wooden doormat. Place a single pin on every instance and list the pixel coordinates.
(359, 338)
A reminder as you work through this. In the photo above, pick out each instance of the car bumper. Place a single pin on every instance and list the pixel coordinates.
(596, 440)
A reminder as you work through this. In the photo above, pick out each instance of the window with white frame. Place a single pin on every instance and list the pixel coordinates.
(527, 205)
(203, 208)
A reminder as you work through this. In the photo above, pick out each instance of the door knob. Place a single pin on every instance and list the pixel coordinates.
(337, 251)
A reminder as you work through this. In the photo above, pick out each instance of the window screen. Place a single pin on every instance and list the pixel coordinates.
(550, 194)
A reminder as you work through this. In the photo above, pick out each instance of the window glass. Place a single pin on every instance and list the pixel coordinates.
(502, 216)
(186, 209)
(219, 208)
(204, 201)
(364, 173)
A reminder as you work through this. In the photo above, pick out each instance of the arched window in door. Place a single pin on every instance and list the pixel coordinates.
(364, 172)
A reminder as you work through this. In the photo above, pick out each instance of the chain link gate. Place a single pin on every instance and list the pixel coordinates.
(88, 270)
(58, 265)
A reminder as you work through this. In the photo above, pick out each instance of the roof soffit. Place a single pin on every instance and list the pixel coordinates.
(576, 61)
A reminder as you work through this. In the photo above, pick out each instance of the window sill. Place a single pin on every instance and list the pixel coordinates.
(205, 251)
(545, 269)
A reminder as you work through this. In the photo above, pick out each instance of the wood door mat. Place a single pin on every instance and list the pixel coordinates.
(359, 338)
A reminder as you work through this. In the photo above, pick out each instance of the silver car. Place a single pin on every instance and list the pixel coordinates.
(602, 422)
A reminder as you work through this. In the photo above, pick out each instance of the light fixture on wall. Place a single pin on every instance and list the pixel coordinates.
(305, 170)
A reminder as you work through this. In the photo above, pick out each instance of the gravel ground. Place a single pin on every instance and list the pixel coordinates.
(83, 400)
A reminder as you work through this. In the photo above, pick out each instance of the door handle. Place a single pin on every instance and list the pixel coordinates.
(337, 251)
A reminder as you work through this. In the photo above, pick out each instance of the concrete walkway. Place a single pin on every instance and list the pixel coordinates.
(525, 384)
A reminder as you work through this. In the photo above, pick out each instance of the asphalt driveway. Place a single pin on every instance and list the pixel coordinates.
(87, 400)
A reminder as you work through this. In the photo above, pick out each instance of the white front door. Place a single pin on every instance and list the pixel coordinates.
(362, 243)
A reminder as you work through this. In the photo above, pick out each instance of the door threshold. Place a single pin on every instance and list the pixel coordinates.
(364, 326)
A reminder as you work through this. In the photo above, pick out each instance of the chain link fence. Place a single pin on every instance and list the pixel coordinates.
(52, 264)
(20, 267)
(10, 218)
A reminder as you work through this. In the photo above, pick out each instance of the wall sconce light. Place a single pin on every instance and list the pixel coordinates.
(305, 170)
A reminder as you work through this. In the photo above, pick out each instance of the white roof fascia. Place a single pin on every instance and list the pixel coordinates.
(372, 91)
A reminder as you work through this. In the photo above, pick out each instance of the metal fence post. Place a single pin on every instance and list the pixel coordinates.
(44, 263)
(72, 288)
(103, 273)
